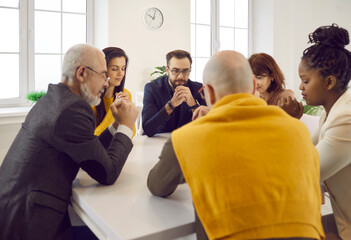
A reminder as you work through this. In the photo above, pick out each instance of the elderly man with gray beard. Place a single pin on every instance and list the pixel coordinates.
(55, 141)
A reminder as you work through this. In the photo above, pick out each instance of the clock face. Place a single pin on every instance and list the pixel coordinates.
(153, 18)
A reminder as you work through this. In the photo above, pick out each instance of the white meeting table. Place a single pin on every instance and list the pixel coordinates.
(126, 209)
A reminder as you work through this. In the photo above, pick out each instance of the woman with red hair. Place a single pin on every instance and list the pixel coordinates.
(270, 83)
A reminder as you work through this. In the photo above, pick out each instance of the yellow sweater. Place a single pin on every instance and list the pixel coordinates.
(252, 170)
(108, 119)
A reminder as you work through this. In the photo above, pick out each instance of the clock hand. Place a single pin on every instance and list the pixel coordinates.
(154, 14)
(153, 18)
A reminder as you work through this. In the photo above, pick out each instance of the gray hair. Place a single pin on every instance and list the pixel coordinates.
(76, 56)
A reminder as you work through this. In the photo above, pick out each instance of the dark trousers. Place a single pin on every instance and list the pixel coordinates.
(329, 227)
(83, 233)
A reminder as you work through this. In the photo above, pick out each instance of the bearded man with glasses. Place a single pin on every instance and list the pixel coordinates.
(169, 101)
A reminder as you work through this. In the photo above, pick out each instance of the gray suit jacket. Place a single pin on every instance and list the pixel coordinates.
(56, 139)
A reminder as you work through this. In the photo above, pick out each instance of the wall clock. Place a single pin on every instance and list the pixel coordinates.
(153, 18)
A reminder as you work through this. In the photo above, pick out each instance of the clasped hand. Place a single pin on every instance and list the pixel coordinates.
(182, 94)
(122, 95)
(200, 112)
(124, 112)
(291, 106)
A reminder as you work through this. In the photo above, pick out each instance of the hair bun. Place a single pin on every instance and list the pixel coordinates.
(330, 36)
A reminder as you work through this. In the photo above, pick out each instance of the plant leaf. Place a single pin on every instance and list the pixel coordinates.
(34, 96)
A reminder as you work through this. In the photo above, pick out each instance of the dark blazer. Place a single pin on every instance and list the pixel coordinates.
(155, 118)
(56, 139)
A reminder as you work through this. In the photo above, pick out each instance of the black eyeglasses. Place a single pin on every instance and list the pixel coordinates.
(176, 71)
(103, 75)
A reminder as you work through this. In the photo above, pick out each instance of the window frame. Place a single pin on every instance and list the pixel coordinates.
(215, 29)
(26, 49)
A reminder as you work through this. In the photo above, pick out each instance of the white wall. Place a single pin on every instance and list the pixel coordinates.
(292, 22)
(147, 48)
(8, 133)
(262, 26)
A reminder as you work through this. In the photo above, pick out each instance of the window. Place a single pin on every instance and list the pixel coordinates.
(9, 49)
(36, 35)
(217, 25)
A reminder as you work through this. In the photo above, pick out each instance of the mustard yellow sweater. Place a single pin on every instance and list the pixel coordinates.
(108, 119)
(252, 170)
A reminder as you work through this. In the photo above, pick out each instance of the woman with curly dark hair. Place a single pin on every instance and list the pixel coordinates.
(325, 72)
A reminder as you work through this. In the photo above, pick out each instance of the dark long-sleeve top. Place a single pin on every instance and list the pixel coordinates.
(155, 118)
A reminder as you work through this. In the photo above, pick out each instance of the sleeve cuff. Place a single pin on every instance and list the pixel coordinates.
(122, 129)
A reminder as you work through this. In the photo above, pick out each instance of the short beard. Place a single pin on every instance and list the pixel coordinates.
(88, 96)
(174, 85)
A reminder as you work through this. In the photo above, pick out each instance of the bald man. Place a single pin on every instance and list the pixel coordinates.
(252, 170)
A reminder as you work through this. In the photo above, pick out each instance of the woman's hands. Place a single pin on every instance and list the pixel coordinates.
(291, 106)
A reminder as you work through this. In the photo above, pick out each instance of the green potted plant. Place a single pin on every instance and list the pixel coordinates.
(160, 72)
(34, 96)
(311, 110)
